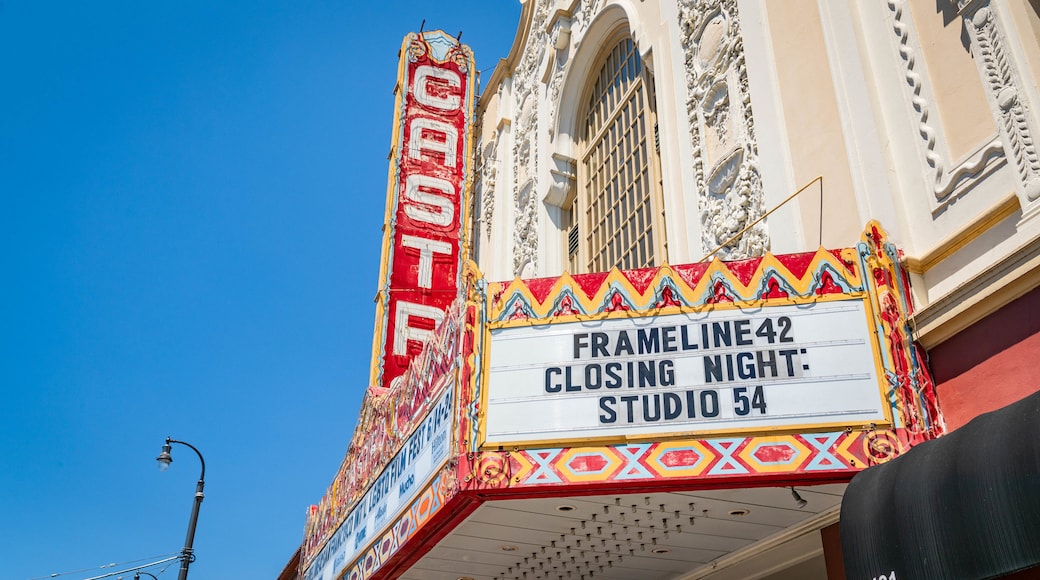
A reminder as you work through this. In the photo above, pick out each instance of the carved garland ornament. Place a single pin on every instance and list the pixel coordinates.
(487, 172)
(726, 165)
(1001, 78)
(525, 147)
(947, 179)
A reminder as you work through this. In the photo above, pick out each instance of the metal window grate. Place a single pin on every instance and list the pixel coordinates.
(618, 215)
(572, 241)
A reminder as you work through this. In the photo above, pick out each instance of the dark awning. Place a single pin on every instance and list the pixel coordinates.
(966, 505)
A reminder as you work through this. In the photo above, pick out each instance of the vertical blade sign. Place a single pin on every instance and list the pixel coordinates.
(422, 241)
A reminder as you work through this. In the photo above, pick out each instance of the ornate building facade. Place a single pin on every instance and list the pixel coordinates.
(687, 172)
(920, 115)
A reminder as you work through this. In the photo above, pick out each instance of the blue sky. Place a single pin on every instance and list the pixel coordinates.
(189, 239)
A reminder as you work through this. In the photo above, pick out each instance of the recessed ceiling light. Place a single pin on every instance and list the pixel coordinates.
(507, 548)
(739, 512)
(661, 550)
(565, 508)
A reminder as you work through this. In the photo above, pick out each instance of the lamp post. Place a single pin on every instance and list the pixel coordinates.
(137, 575)
(164, 459)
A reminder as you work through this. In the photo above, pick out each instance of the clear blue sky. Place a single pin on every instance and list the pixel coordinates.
(192, 199)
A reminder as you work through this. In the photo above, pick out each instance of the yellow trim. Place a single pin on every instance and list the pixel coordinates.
(567, 456)
(969, 233)
(485, 362)
(980, 296)
(581, 442)
(655, 462)
(466, 194)
(669, 310)
(644, 300)
(879, 343)
(393, 186)
(379, 332)
(764, 216)
(748, 454)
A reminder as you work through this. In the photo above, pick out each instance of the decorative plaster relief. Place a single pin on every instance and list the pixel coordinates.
(583, 14)
(564, 171)
(948, 179)
(525, 145)
(559, 37)
(1002, 79)
(722, 130)
(487, 171)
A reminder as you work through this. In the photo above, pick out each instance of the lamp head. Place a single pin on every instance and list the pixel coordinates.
(164, 458)
(798, 499)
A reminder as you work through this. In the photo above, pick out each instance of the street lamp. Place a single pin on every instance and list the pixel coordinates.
(164, 459)
(137, 574)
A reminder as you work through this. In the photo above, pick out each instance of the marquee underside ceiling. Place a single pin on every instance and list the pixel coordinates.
(628, 536)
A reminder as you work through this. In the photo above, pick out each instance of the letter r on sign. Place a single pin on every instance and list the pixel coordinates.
(403, 313)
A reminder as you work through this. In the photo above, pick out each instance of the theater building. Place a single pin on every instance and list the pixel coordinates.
(683, 271)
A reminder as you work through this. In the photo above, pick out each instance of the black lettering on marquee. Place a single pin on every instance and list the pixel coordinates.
(624, 344)
(672, 406)
(613, 378)
(607, 413)
(628, 400)
(647, 376)
(550, 386)
(684, 334)
(745, 365)
(709, 403)
(763, 363)
(742, 328)
(721, 335)
(668, 339)
(648, 416)
(649, 340)
(580, 343)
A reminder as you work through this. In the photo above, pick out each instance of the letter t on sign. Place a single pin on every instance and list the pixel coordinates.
(427, 248)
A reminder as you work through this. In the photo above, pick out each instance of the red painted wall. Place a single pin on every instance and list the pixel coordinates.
(991, 364)
(831, 537)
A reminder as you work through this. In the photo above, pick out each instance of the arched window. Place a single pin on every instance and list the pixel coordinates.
(616, 218)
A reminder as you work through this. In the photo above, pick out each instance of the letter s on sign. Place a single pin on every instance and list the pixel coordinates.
(448, 102)
(445, 210)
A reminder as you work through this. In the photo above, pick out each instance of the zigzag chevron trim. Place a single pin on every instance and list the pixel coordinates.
(769, 278)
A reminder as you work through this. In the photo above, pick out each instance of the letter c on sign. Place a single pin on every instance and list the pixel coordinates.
(550, 386)
(448, 102)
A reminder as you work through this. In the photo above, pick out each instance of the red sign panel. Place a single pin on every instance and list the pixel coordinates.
(422, 246)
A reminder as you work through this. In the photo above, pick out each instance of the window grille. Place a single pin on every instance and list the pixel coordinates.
(617, 210)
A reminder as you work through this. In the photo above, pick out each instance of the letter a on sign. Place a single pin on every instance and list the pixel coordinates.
(426, 200)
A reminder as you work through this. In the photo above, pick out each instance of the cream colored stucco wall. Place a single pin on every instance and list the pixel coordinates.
(1026, 16)
(810, 110)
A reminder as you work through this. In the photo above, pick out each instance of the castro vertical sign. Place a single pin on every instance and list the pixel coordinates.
(422, 242)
